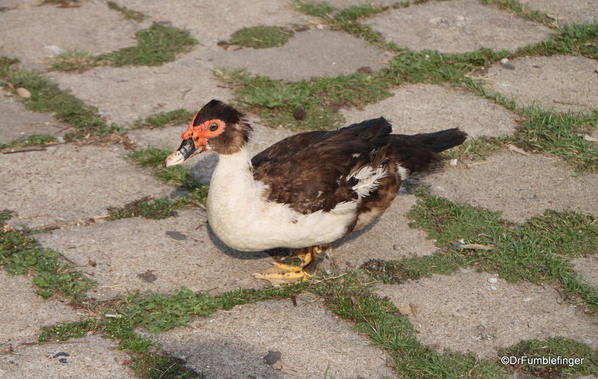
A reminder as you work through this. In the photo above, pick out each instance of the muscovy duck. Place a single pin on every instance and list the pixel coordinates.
(307, 190)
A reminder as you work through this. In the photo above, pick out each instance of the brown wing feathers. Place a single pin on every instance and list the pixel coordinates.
(311, 171)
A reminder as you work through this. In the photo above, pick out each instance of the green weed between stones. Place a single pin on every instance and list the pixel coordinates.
(127, 13)
(259, 37)
(33, 140)
(347, 296)
(554, 347)
(156, 45)
(159, 208)
(177, 175)
(21, 254)
(538, 251)
(163, 119)
(47, 97)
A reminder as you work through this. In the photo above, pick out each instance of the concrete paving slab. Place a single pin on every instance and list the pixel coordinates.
(312, 53)
(90, 357)
(92, 27)
(390, 238)
(69, 182)
(422, 108)
(203, 165)
(312, 341)
(520, 186)
(16, 122)
(480, 313)
(126, 94)
(211, 21)
(587, 267)
(23, 313)
(161, 256)
(566, 12)
(456, 27)
(561, 83)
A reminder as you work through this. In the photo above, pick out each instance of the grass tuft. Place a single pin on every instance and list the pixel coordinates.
(259, 37)
(163, 119)
(127, 13)
(176, 175)
(20, 254)
(554, 347)
(156, 45)
(537, 251)
(48, 97)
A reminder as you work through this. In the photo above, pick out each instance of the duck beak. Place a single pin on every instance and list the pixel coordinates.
(184, 151)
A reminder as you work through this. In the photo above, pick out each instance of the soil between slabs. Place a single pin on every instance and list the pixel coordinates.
(520, 186)
(160, 256)
(23, 312)
(562, 83)
(312, 341)
(92, 27)
(479, 313)
(66, 183)
(456, 27)
(421, 108)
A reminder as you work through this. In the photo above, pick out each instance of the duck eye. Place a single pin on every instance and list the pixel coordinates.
(213, 127)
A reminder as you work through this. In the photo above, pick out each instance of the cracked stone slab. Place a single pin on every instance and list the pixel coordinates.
(126, 94)
(391, 235)
(34, 34)
(16, 122)
(211, 21)
(568, 12)
(203, 165)
(23, 312)
(312, 341)
(90, 357)
(313, 53)
(562, 83)
(65, 183)
(456, 27)
(520, 186)
(421, 108)
(587, 267)
(480, 313)
(161, 256)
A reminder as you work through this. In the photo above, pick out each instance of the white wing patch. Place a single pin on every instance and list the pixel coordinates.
(368, 179)
(403, 172)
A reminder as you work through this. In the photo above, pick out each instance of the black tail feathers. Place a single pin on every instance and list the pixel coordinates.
(440, 141)
(417, 152)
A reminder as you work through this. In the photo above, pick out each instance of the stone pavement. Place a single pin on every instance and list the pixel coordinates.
(64, 189)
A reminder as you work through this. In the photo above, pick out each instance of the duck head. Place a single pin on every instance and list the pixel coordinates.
(217, 127)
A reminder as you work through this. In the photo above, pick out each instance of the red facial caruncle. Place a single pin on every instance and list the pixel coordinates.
(202, 132)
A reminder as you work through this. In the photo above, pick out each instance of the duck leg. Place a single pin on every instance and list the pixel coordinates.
(294, 273)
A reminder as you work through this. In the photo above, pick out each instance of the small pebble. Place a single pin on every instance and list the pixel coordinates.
(23, 92)
(62, 360)
(299, 114)
(272, 357)
(492, 280)
(453, 162)
(505, 63)
(493, 288)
